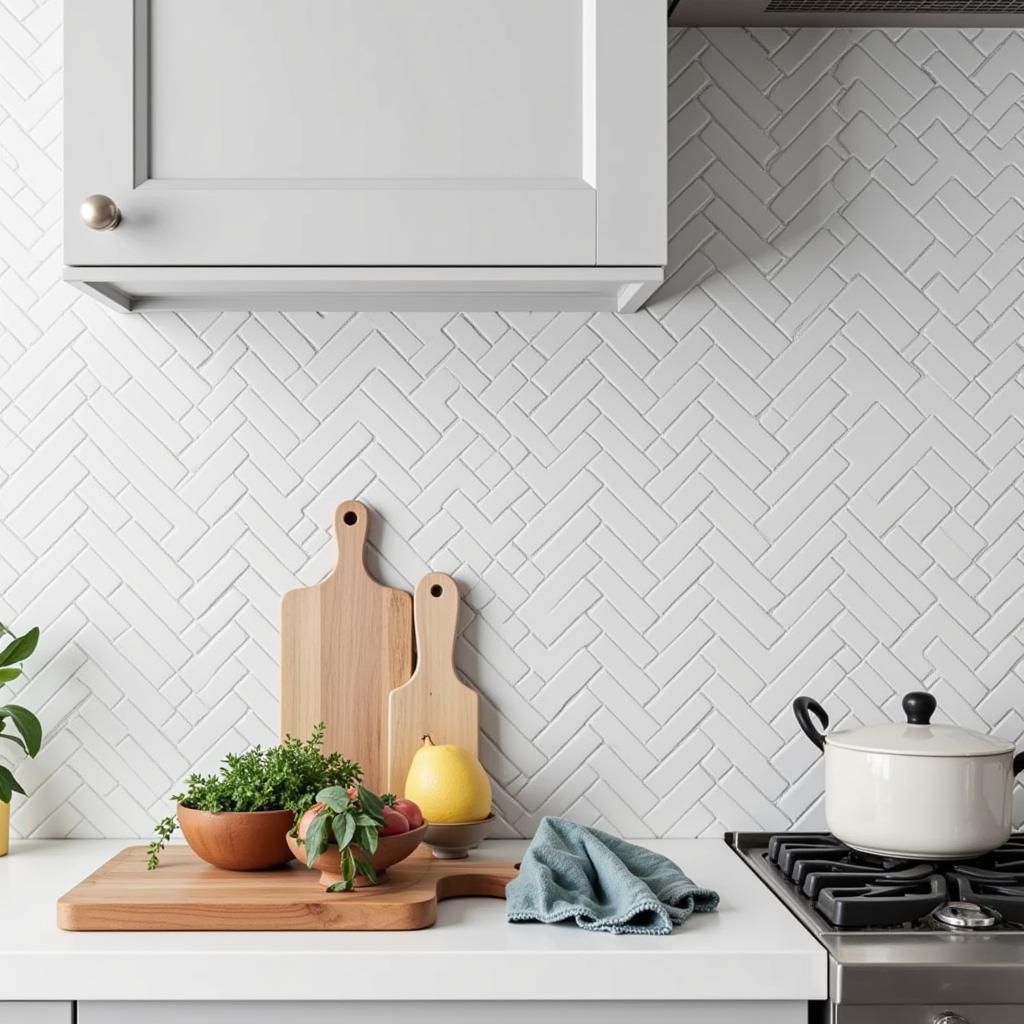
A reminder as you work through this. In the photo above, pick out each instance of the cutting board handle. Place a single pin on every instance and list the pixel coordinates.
(436, 613)
(351, 520)
(489, 881)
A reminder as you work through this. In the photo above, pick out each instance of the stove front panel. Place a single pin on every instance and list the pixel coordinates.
(936, 1013)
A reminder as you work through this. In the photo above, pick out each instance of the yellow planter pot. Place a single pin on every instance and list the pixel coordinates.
(5, 828)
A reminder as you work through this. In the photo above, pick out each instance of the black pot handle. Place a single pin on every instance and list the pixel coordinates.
(801, 708)
(1018, 764)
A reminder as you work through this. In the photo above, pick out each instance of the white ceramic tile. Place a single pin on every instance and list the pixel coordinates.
(808, 452)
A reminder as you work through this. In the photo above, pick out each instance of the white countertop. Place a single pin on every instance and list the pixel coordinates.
(751, 948)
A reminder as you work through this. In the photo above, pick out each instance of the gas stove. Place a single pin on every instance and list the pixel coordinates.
(909, 941)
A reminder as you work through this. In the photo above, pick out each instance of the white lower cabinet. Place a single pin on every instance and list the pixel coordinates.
(37, 1012)
(696, 1012)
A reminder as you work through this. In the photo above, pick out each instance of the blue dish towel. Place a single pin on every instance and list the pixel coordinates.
(603, 883)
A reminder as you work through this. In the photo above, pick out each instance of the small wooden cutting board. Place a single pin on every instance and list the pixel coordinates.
(435, 701)
(345, 645)
(185, 894)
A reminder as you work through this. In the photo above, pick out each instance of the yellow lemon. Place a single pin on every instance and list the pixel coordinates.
(448, 783)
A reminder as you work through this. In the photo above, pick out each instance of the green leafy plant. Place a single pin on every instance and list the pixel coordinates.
(282, 778)
(354, 823)
(29, 732)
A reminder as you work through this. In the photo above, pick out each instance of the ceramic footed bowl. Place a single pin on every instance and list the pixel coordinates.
(390, 850)
(454, 841)
(237, 840)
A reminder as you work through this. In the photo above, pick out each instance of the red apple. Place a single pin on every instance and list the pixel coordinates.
(307, 819)
(410, 812)
(394, 823)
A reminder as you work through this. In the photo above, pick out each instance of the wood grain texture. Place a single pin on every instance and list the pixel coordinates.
(345, 645)
(187, 894)
(435, 701)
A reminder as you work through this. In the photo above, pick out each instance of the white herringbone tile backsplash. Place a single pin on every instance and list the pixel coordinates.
(801, 471)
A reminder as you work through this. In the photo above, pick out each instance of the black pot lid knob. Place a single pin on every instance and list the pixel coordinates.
(919, 708)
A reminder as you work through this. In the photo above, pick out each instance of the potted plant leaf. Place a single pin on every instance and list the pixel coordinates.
(17, 724)
(239, 817)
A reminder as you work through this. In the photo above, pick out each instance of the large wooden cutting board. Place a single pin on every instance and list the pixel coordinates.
(435, 701)
(187, 894)
(345, 645)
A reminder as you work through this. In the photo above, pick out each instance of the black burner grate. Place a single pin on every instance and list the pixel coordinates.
(885, 902)
(1000, 890)
(856, 890)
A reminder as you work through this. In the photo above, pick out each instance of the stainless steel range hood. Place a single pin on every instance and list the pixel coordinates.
(863, 13)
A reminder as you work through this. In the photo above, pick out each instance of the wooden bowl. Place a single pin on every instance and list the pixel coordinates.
(238, 840)
(390, 850)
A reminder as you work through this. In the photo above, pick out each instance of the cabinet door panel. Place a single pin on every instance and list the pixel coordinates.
(298, 132)
(346, 90)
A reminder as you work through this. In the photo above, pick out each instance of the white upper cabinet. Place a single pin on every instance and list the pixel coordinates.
(347, 154)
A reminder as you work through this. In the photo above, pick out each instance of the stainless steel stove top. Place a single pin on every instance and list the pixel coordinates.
(899, 933)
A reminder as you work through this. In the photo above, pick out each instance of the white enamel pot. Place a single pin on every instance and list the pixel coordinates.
(915, 789)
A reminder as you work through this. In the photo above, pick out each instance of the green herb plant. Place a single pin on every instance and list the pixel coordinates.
(282, 778)
(29, 732)
(354, 823)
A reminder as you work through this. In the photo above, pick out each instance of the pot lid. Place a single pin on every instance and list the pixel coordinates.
(918, 737)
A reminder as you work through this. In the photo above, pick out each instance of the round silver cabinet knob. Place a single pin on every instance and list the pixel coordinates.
(101, 213)
(951, 1018)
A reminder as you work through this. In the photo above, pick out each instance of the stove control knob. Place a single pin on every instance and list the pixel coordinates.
(950, 1018)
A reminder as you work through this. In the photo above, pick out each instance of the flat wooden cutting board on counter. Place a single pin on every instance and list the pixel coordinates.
(434, 702)
(187, 894)
(345, 645)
